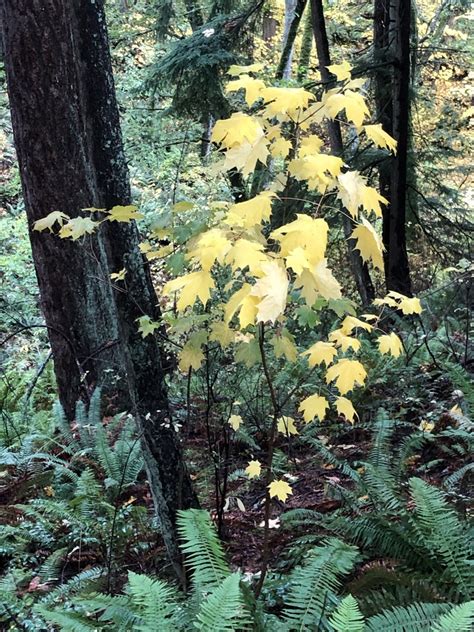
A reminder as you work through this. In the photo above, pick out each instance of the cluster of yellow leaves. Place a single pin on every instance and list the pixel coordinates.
(268, 267)
(75, 227)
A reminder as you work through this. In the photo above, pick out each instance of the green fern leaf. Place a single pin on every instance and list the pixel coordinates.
(224, 608)
(316, 582)
(202, 549)
(347, 617)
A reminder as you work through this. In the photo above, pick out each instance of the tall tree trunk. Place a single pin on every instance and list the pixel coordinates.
(194, 14)
(67, 135)
(306, 47)
(292, 22)
(392, 46)
(359, 268)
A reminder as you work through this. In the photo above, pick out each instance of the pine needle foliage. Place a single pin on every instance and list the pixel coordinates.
(195, 66)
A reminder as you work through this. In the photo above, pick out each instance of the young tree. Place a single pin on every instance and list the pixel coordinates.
(67, 136)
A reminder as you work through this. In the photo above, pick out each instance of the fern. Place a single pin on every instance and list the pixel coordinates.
(347, 617)
(459, 619)
(155, 601)
(456, 477)
(441, 530)
(224, 608)
(202, 549)
(418, 617)
(68, 621)
(314, 584)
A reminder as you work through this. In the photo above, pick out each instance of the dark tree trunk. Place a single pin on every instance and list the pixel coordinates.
(359, 268)
(67, 134)
(306, 47)
(392, 23)
(51, 138)
(194, 14)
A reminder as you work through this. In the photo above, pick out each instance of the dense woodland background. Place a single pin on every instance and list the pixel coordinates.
(128, 426)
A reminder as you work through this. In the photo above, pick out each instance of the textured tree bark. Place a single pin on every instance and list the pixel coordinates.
(50, 129)
(392, 22)
(169, 481)
(68, 139)
(292, 22)
(359, 268)
(306, 47)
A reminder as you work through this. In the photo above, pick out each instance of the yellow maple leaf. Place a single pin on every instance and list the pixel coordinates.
(47, 223)
(408, 305)
(309, 145)
(344, 407)
(354, 193)
(343, 341)
(371, 200)
(191, 355)
(380, 137)
(235, 70)
(285, 103)
(318, 281)
(253, 469)
(280, 489)
(77, 227)
(193, 286)
(272, 289)
(320, 352)
(243, 301)
(236, 130)
(235, 422)
(245, 253)
(305, 233)
(119, 276)
(352, 102)
(244, 157)
(280, 148)
(318, 170)
(314, 406)
(368, 243)
(391, 344)
(209, 247)
(351, 322)
(146, 325)
(252, 87)
(283, 345)
(124, 214)
(221, 333)
(298, 260)
(346, 374)
(251, 212)
(342, 71)
(286, 425)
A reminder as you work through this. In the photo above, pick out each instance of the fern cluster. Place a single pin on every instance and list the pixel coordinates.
(82, 473)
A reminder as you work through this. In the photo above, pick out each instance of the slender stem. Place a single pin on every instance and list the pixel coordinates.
(269, 473)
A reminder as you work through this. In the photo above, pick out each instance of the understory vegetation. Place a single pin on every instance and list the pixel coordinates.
(324, 416)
